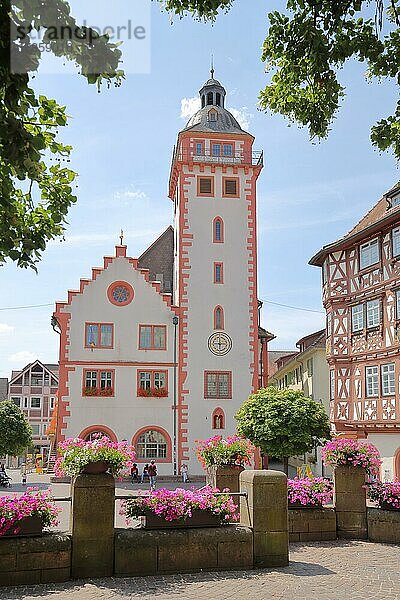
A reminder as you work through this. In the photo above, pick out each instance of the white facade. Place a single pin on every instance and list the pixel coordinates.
(211, 353)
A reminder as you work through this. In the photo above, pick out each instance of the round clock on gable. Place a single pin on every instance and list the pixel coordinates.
(120, 293)
(219, 343)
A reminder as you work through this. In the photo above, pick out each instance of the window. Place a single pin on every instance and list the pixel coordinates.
(37, 379)
(218, 317)
(371, 381)
(210, 98)
(332, 384)
(212, 116)
(369, 254)
(216, 149)
(152, 337)
(152, 383)
(99, 335)
(98, 383)
(25, 402)
(395, 201)
(52, 403)
(217, 384)
(35, 429)
(387, 375)
(396, 241)
(228, 150)
(205, 186)
(151, 445)
(373, 313)
(16, 400)
(329, 324)
(199, 149)
(310, 367)
(218, 230)
(357, 317)
(36, 402)
(94, 435)
(218, 419)
(230, 187)
(218, 273)
(218, 99)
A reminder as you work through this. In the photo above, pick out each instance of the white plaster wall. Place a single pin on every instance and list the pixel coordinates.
(125, 413)
(204, 295)
(387, 445)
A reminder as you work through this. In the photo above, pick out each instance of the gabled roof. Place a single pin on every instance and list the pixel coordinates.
(158, 258)
(381, 213)
(51, 368)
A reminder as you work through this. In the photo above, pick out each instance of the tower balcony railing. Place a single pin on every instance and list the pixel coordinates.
(254, 158)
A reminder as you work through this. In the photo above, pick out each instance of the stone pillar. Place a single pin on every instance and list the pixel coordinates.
(92, 523)
(225, 477)
(350, 502)
(266, 510)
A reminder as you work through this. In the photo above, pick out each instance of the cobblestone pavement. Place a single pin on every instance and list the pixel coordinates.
(317, 571)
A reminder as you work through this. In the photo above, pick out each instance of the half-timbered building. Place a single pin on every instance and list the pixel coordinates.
(361, 295)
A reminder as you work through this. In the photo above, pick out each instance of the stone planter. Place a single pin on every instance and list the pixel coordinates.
(95, 468)
(29, 526)
(199, 518)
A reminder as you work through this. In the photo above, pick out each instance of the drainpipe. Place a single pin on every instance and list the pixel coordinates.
(175, 322)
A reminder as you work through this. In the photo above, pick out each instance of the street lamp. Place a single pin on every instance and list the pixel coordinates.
(175, 322)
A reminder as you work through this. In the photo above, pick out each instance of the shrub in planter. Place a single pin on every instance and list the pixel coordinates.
(342, 452)
(309, 492)
(180, 505)
(77, 454)
(30, 504)
(218, 451)
(387, 495)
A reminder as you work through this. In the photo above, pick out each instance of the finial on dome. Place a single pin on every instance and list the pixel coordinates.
(121, 237)
(212, 71)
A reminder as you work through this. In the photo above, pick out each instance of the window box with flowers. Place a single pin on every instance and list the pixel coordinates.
(27, 514)
(89, 391)
(179, 508)
(152, 393)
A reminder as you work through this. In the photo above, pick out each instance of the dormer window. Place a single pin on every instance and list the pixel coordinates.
(394, 201)
(212, 116)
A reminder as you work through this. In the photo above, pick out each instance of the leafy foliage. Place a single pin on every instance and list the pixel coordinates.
(282, 423)
(308, 44)
(36, 185)
(15, 431)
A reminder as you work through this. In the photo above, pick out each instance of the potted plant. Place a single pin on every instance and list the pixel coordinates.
(27, 514)
(96, 456)
(309, 492)
(387, 495)
(179, 508)
(352, 453)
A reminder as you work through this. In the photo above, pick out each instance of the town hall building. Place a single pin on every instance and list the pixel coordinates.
(163, 349)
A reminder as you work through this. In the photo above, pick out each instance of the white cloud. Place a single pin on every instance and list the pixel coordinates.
(189, 106)
(4, 328)
(243, 116)
(22, 358)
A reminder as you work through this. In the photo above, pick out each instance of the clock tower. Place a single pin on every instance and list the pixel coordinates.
(213, 186)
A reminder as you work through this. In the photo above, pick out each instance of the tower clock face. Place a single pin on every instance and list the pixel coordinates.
(219, 343)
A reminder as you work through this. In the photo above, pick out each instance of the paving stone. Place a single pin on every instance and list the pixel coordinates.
(341, 569)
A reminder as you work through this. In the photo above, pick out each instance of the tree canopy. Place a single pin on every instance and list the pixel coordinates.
(282, 423)
(15, 431)
(36, 183)
(306, 47)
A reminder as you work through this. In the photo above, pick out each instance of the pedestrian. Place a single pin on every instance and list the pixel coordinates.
(134, 473)
(184, 473)
(152, 470)
(23, 473)
(145, 473)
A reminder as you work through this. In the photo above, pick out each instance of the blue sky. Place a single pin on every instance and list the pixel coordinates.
(308, 195)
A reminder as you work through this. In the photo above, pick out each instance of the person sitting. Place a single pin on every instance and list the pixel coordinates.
(134, 473)
(145, 473)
